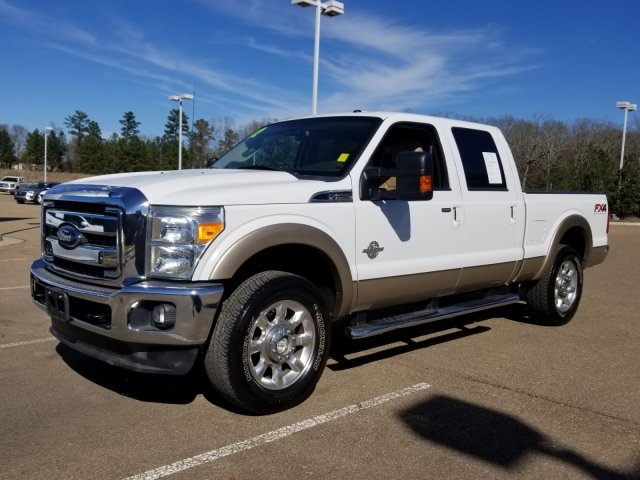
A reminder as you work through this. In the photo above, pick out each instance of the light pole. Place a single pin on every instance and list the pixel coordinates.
(627, 107)
(179, 99)
(330, 8)
(46, 136)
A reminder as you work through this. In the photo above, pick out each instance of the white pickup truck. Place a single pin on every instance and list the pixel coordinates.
(10, 184)
(377, 220)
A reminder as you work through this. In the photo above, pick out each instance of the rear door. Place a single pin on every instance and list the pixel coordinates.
(493, 214)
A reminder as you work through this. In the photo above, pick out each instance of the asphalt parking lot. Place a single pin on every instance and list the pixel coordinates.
(492, 397)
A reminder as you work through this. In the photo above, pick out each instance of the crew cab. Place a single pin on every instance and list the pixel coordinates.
(378, 221)
(10, 183)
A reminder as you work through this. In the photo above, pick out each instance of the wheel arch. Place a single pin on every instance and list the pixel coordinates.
(575, 232)
(295, 248)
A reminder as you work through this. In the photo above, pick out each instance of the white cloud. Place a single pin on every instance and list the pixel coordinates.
(366, 61)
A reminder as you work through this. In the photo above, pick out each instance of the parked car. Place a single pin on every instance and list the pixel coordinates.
(32, 192)
(9, 184)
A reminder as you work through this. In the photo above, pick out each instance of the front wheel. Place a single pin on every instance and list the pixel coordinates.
(554, 299)
(270, 343)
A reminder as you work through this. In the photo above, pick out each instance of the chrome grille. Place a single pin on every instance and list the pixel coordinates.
(96, 250)
(95, 233)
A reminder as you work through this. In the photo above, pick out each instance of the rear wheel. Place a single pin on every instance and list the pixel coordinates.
(554, 299)
(270, 343)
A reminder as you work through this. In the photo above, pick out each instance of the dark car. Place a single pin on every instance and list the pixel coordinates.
(32, 192)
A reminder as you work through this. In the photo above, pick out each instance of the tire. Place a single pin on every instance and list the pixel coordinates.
(554, 299)
(270, 343)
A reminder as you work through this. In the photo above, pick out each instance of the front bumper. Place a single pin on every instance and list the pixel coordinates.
(114, 325)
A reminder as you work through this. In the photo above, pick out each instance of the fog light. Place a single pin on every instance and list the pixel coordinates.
(164, 316)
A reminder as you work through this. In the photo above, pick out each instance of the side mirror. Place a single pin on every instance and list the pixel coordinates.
(414, 176)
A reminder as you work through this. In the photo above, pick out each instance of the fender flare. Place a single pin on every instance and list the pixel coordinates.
(288, 234)
(572, 221)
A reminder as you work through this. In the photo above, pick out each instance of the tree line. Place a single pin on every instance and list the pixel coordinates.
(550, 155)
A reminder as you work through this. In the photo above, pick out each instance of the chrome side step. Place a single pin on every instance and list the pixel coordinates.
(377, 326)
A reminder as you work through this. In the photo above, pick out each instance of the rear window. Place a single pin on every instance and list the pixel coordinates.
(480, 159)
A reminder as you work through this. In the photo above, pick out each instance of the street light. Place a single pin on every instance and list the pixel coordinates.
(627, 107)
(46, 136)
(179, 99)
(330, 8)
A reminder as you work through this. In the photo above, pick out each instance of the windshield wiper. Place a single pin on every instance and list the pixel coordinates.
(260, 167)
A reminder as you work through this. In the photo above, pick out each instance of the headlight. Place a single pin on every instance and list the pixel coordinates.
(178, 236)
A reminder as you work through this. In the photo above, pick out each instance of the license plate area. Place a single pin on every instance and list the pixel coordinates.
(57, 304)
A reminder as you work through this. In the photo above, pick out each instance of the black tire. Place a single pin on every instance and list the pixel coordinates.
(554, 299)
(20, 201)
(270, 343)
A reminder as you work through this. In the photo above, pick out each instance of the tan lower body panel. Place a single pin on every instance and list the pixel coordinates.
(385, 292)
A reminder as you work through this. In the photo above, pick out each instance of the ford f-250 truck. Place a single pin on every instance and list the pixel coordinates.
(377, 220)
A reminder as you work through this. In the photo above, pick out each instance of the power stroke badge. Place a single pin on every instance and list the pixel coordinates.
(373, 250)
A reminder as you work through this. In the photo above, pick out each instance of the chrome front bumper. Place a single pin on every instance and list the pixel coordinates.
(114, 325)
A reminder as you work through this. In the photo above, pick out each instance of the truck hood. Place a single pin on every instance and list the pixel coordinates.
(215, 187)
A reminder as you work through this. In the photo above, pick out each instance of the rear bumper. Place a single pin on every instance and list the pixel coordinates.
(115, 326)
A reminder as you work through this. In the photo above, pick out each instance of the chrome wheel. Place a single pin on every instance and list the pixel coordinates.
(566, 286)
(281, 345)
(270, 343)
(554, 298)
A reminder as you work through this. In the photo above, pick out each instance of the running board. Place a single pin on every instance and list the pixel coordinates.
(379, 326)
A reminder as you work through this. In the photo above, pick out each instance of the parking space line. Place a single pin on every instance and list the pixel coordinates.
(14, 288)
(27, 342)
(274, 435)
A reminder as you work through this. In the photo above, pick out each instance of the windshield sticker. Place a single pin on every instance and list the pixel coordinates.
(493, 167)
(343, 157)
(257, 132)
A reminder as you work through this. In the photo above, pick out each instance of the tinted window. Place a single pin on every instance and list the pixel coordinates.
(480, 159)
(410, 137)
(321, 146)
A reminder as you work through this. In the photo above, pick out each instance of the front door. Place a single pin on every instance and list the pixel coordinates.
(407, 251)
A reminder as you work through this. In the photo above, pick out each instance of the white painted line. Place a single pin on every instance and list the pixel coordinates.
(26, 342)
(14, 260)
(14, 288)
(272, 436)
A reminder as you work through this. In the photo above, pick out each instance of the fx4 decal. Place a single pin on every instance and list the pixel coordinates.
(600, 208)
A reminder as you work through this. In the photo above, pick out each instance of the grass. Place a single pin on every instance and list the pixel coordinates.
(36, 175)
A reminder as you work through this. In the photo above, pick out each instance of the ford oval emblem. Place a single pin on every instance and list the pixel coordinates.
(69, 237)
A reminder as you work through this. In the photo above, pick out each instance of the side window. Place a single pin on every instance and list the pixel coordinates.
(480, 159)
(410, 137)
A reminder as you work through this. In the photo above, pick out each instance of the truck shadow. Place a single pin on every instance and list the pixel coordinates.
(347, 353)
(12, 219)
(495, 437)
(153, 388)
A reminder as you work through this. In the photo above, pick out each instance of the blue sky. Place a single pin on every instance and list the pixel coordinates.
(253, 59)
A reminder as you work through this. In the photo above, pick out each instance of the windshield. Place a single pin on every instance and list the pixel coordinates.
(325, 146)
